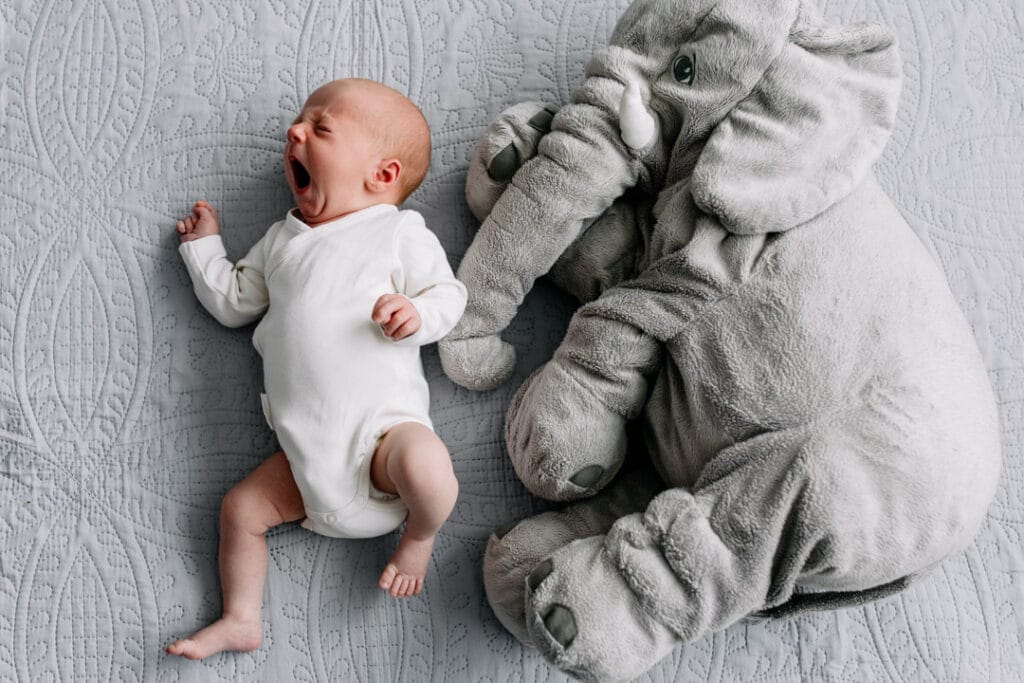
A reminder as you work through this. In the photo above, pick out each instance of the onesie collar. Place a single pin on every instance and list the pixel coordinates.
(296, 223)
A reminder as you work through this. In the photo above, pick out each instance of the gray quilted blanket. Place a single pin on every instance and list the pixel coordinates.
(126, 411)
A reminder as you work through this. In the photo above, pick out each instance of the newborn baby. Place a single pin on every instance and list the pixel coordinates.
(349, 288)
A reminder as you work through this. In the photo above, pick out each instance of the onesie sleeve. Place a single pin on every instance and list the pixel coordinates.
(423, 275)
(233, 294)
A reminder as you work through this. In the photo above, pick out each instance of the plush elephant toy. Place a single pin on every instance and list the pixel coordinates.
(817, 425)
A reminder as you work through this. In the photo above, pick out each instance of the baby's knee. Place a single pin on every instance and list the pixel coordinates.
(430, 464)
(428, 468)
(242, 508)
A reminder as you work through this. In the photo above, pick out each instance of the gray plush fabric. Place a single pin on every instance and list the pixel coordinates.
(812, 400)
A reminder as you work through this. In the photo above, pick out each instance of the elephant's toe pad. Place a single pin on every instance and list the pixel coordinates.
(588, 476)
(560, 623)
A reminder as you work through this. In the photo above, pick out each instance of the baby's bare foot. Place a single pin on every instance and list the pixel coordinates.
(223, 634)
(403, 576)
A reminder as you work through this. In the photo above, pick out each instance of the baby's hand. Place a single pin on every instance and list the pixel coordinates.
(202, 223)
(396, 315)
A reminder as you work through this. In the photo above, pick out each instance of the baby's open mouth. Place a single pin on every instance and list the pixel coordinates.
(300, 174)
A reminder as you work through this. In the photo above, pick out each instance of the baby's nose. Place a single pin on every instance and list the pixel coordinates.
(296, 132)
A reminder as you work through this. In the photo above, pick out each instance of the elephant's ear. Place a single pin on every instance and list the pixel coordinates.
(808, 132)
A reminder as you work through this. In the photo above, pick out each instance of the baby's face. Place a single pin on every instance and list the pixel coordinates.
(329, 155)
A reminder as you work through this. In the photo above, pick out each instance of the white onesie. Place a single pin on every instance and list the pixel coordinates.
(334, 383)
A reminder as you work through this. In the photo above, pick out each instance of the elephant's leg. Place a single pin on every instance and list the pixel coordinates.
(581, 166)
(809, 506)
(565, 429)
(515, 550)
(693, 561)
(508, 143)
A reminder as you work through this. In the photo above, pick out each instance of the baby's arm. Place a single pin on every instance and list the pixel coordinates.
(428, 300)
(234, 295)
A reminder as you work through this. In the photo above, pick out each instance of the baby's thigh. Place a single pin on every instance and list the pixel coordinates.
(267, 497)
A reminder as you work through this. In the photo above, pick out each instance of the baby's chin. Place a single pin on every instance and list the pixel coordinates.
(315, 212)
(310, 207)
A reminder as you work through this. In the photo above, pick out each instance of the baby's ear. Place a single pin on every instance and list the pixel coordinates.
(385, 177)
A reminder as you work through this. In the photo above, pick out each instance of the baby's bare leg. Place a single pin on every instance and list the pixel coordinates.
(264, 499)
(412, 462)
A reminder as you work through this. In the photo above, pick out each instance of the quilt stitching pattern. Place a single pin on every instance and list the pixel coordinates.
(126, 412)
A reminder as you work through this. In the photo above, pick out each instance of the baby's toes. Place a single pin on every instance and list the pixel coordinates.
(388, 576)
(181, 648)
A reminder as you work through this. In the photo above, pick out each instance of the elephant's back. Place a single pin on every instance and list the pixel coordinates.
(848, 319)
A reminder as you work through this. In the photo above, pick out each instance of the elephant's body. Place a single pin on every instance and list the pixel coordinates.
(888, 353)
(814, 407)
(875, 391)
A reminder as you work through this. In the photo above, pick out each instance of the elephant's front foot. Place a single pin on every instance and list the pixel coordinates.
(584, 618)
(563, 441)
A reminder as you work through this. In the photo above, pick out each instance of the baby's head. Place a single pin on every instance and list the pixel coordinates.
(355, 143)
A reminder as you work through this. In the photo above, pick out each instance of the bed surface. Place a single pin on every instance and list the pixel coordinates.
(126, 411)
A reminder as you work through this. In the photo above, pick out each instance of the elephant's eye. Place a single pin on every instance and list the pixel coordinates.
(683, 69)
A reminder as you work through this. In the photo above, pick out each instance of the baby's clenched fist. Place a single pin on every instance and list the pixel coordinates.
(202, 223)
(396, 315)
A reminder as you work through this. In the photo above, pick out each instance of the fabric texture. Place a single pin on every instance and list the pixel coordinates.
(334, 383)
(127, 411)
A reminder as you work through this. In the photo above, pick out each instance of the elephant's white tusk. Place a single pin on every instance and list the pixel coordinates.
(635, 122)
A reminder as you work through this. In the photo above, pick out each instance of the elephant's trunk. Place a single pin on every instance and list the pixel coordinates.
(581, 167)
(637, 125)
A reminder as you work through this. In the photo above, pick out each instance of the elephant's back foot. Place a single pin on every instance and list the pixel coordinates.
(516, 550)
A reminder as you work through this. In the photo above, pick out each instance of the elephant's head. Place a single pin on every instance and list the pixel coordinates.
(765, 116)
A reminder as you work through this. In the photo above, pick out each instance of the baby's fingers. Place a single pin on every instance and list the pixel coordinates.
(186, 228)
(407, 328)
(204, 210)
(386, 307)
(397, 320)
